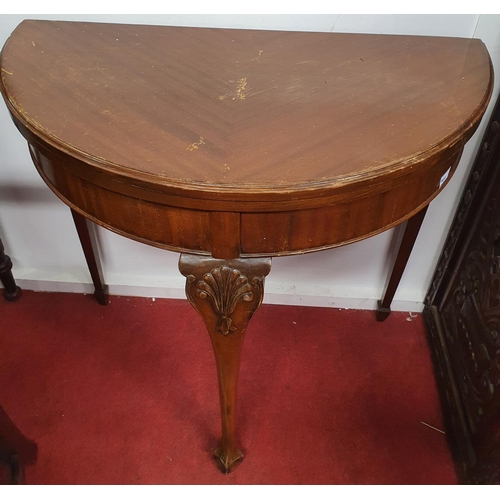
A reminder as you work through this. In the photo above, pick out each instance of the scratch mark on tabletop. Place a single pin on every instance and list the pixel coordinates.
(260, 91)
(64, 126)
(195, 145)
(8, 72)
(240, 91)
(98, 67)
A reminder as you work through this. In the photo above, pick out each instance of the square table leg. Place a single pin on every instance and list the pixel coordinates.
(411, 230)
(90, 250)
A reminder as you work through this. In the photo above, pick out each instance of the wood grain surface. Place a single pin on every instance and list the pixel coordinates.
(243, 109)
(296, 141)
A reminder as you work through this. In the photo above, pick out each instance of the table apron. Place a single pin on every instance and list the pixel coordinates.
(267, 233)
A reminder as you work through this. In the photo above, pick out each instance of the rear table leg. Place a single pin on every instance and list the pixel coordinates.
(89, 246)
(405, 247)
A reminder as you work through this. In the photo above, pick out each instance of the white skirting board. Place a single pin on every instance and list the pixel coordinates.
(173, 288)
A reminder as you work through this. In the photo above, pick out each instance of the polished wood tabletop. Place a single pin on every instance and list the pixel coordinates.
(234, 146)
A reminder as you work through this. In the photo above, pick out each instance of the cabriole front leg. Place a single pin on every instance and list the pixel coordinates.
(225, 293)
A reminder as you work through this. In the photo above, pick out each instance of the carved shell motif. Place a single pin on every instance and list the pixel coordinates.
(225, 287)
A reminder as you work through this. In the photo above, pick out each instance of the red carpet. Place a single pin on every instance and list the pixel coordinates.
(127, 394)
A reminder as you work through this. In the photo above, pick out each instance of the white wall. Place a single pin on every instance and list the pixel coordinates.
(38, 233)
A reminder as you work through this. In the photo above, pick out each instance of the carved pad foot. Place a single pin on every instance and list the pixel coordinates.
(227, 462)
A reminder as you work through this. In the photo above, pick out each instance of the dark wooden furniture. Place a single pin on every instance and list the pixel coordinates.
(11, 291)
(462, 313)
(236, 146)
(16, 451)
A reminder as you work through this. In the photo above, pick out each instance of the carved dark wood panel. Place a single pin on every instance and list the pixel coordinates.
(462, 313)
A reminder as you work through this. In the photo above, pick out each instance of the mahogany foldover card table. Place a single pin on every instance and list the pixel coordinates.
(236, 146)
